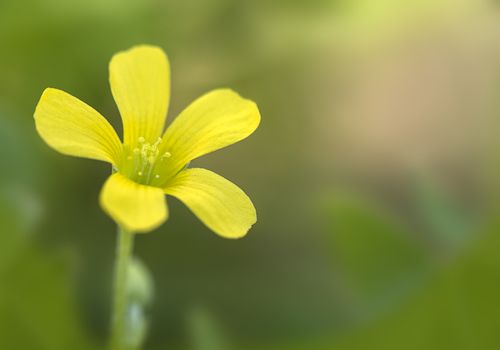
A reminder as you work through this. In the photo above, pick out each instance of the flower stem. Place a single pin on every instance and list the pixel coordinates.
(124, 249)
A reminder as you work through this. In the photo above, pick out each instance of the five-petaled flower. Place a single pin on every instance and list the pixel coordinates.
(150, 163)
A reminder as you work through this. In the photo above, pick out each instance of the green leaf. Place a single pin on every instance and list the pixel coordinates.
(37, 309)
(205, 333)
(376, 256)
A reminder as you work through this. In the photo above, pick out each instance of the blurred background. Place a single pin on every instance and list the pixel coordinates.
(374, 173)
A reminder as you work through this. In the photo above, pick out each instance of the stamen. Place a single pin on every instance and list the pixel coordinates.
(143, 159)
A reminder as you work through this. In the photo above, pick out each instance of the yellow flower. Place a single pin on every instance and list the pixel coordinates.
(147, 164)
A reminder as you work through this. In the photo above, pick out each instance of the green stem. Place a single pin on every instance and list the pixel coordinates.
(123, 254)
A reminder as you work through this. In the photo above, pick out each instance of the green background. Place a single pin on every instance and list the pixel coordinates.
(374, 174)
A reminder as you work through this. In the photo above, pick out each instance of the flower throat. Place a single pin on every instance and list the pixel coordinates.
(140, 162)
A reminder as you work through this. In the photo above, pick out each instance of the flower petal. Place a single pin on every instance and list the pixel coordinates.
(217, 202)
(215, 120)
(74, 128)
(140, 83)
(138, 208)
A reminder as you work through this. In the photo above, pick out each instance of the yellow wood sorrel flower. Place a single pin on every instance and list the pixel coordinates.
(147, 164)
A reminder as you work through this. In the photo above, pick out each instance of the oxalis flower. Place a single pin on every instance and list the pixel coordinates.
(150, 163)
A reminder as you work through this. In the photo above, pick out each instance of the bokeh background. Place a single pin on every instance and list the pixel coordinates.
(374, 173)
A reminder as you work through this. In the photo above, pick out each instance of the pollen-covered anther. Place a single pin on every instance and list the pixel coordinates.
(143, 159)
(147, 151)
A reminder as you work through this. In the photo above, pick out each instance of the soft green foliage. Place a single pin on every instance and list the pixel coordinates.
(37, 298)
(204, 331)
(37, 306)
(376, 256)
(456, 309)
(448, 225)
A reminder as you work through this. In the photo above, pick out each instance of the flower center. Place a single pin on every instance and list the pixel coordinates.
(140, 162)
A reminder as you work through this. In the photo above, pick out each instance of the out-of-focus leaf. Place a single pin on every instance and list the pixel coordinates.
(20, 161)
(37, 310)
(374, 253)
(447, 224)
(458, 309)
(205, 332)
(36, 306)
